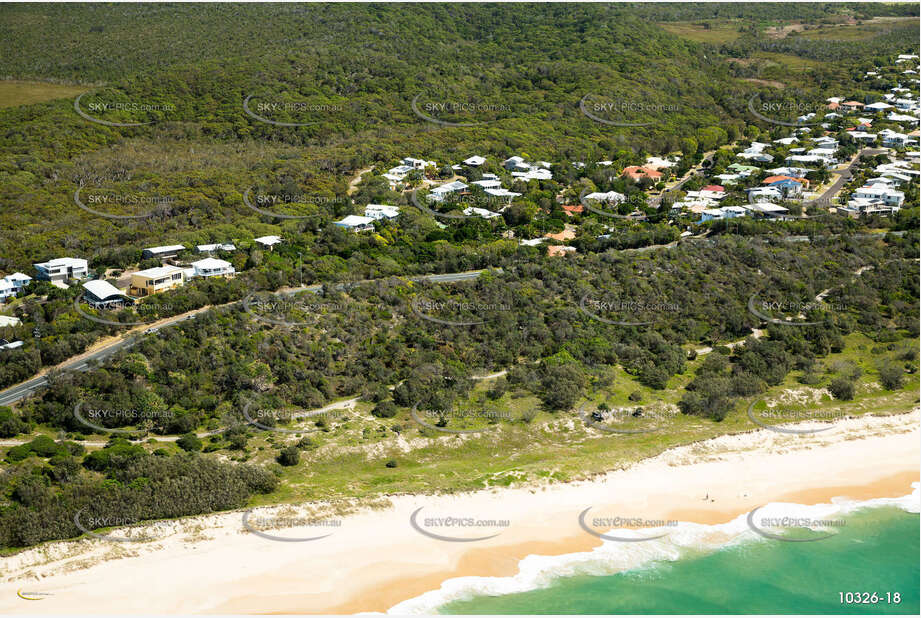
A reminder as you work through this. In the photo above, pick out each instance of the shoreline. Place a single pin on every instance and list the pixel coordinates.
(376, 559)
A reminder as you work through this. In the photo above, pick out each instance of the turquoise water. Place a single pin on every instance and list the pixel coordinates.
(877, 551)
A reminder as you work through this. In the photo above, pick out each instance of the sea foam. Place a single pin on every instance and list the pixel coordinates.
(614, 557)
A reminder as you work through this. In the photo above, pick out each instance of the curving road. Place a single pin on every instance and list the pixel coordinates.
(85, 361)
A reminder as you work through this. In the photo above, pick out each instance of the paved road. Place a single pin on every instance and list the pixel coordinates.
(692, 173)
(845, 177)
(24, 389)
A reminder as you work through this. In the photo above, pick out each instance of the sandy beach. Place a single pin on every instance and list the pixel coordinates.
(376, 558)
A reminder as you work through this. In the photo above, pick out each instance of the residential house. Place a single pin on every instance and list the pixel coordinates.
(417, 164)
(381, 211)
(439, 193)
(215, 247)
(475, 161)
(852, 106)
(559, 250)
(789, 188)
(877, 107)
(11, 285)
(893, 139)
(156, 280)
(769, 210)
(103, 295)
(166, 251)
(503, 193)
(884, 194)
(9, 345)
(212, 267)
(636, 172)
(356, 223)
(267, 242)
(61, 269)
(611, 197)
(516, 164)
(8, 321)
(480, 212)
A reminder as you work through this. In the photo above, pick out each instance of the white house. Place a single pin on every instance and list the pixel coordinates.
(535, 173)
(101, 294)
(13, 284)
(516, 163)
(417, 164)
(768, 209)
(893, 138)
(166, 251)
(500, 192)
(6, 320)
(438, 194)
(481, 212)
(267, 242)
(60, 269)
(611, 197)
(356, 223)
(885, 194)
(212, 267)
(381, 211)
(215, 247)
(475, 161)
(877, 107)
(488, 183)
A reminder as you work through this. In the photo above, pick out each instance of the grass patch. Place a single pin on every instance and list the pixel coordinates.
(14, 93)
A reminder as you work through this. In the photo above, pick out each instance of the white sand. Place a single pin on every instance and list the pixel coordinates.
(375, 559)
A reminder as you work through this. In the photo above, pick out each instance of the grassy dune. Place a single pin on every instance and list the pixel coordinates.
(14, 93)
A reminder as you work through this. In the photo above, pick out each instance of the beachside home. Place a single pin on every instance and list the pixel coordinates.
(166, 251)
(156, 280)
(212, 267)
(61, 269)
(215, 247)
(475, 161)
(886, 195)
(381, 211)
(11, 285)
(438, 194)
(103, 295)
(267, 242)
(356, 223)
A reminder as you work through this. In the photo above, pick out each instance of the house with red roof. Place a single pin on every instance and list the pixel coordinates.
(636, 172)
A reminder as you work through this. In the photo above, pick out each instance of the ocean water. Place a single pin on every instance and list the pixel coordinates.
(722, 569)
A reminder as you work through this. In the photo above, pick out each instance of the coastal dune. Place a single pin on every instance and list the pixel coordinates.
(376, 559)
